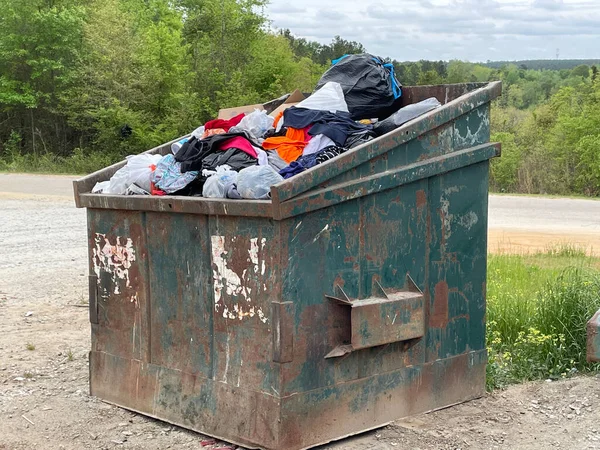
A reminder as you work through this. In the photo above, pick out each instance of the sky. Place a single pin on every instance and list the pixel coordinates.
(469, 30)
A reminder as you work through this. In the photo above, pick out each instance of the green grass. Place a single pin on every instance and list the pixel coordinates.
(80, 162)
(538, 306)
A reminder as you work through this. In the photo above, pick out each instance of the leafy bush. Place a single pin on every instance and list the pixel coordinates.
(537, 334)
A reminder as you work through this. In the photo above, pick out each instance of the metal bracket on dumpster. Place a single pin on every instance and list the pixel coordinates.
(93, 298)
(386, 317)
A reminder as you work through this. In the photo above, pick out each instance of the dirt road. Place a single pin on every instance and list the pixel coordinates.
(44, 339)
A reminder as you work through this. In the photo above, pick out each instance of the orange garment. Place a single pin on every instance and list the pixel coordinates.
(277, 119)
(290, 146)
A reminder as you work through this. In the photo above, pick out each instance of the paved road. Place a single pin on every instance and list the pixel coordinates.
(544, 214)
(516, 223)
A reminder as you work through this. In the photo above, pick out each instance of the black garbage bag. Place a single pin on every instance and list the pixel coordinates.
(369, 85)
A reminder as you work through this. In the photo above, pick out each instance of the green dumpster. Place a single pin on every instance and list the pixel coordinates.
(355, 297)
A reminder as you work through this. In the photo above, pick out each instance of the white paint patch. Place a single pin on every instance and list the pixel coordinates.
(115, 260)
(472, 137)
(447, 217)
(253, 252)
(226, 281)
(320, 233)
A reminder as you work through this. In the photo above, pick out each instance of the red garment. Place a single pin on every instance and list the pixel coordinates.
(225, 124)
(155, 191)
(241, 144)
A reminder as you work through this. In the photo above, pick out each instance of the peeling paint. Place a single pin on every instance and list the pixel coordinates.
(226, 281)
(116, 260)
(321, 233)
(469, 220)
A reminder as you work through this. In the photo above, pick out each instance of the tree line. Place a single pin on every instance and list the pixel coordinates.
(85, 82)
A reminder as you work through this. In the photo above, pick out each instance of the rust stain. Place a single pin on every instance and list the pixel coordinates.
(421, 198)
(439, 313)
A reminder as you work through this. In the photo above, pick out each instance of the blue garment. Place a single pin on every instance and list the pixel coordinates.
(168, 176)
(293, 169)
(306, 162)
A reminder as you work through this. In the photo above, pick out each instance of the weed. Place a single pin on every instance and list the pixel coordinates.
(537, 315)
(565, 250)
(28, 375)
(30, 347)
(70, 355)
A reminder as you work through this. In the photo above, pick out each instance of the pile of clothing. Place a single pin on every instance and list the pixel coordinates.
(243, 156)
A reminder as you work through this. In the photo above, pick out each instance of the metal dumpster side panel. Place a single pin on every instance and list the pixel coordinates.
(185, 325)
(435, 142)
(457, 262)
(329, 247)
(208, 406)
(182, 313)
(345, 409)
(245, 281)
(118, 263)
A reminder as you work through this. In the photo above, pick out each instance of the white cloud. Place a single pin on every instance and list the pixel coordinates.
(474, 30)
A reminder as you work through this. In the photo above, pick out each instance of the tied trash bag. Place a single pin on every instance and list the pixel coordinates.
(403, 115)
(217, 184)
(140, 168)
(369, 85)
(255, 182)
(138, 171)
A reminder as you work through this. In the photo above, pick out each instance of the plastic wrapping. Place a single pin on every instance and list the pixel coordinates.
(369, 86)
(405, 114)
(330, 97)
(217, 184)
(255, 182)
(256, 123)
(140, 168)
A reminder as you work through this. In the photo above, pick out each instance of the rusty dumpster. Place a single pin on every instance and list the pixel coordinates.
(355, 297)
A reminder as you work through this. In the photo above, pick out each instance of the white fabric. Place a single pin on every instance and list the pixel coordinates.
(317, 143)
(263, 159)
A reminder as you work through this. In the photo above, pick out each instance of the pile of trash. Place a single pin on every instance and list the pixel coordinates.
(246, 150)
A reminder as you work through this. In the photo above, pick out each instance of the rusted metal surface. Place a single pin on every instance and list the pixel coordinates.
(287, 333)
(443, 92)
(179, 204)
(384, 318)
(593, 338)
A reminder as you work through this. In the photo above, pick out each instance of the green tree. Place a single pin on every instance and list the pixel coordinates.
(581, 71)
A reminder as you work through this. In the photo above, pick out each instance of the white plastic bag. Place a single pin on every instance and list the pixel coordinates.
(329, 98)
(100, 187)
(257, 123)
(217, 185)
(140, 170)
(198, 132)
(118, 182)
(255, 182)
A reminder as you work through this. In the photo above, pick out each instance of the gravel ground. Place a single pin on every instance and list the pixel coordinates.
(45, 337)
